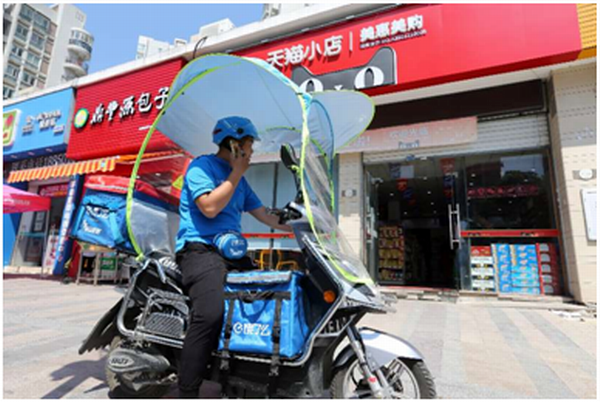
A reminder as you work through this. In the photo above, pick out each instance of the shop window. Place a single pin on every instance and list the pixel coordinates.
(508, 192)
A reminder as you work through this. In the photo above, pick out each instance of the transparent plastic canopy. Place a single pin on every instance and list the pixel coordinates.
(318, 125)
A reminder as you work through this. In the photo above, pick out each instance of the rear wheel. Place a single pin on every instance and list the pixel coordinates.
(408, 379)
(124, 386)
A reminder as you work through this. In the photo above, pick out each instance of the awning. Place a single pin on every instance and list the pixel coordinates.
(15, 201)
(64, 170)
(84, 167)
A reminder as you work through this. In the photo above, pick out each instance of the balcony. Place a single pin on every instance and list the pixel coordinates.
(80, 47)
(81, 42)
(76, 67)
(10, 79)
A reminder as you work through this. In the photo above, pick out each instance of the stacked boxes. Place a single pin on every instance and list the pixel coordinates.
(549, 269)
(524, 269)
(503, 260)
(482, 269)
(391, 253)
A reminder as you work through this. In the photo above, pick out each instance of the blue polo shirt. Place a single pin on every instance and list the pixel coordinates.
(205, 174)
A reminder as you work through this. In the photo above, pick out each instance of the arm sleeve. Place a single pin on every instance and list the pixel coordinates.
(251, 202)
(199, 179)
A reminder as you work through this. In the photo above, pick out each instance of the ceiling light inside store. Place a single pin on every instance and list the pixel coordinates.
(473, 175)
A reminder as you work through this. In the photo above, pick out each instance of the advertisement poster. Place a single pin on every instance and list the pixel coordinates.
(64, 244)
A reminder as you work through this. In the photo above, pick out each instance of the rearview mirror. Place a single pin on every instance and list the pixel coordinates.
(288, 157)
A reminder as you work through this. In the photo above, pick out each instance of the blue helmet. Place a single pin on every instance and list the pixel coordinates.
(235, 127)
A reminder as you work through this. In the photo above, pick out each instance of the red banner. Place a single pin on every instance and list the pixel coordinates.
(424, 45)
(112, 117)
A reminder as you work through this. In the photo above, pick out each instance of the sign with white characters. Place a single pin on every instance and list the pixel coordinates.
(392, 31)
(298, 53)
(142, 103)
(45, 120)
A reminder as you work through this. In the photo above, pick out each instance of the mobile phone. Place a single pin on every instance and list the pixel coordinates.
(235, 149)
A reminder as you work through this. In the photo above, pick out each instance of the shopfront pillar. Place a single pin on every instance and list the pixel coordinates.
(574, 139)
(351, 196)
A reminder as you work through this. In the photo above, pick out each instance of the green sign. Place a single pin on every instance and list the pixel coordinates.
(9, 130)
(81, 118)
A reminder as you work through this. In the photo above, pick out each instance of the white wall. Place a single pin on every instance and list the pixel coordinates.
(574, 145)
(66, 19)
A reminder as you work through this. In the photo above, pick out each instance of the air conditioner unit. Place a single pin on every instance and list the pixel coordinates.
(216, 28)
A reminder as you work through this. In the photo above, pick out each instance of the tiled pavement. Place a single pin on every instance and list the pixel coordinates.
(474, 351)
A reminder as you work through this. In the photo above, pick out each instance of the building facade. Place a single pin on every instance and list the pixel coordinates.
(149, 47)
(477, 172)
(43, 47)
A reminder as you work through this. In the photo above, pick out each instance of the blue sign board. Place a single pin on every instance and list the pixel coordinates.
(38, 126)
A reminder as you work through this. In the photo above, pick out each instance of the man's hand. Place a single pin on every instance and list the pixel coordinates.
(261, 215)
(240, 162)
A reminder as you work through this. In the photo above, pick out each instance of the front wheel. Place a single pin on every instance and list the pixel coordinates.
(408, 379)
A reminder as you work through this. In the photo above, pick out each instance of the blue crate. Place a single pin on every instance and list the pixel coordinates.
(527, 291)
(516, 276)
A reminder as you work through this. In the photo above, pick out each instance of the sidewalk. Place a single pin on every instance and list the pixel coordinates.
(491, 349)
(474, 350)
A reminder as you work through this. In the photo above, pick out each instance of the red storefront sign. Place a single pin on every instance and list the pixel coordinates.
(54, 190)
(422, 45)
(112, 117)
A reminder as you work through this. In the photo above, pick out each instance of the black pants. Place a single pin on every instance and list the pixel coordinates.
(204, 271)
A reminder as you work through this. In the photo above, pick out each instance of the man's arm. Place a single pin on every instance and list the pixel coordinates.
(261, 215)
(211, 204)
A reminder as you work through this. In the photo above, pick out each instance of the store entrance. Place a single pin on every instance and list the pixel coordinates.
(418, 218)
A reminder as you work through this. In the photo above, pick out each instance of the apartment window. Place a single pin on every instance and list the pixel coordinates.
(17, 52)
(28, 79)
(7, 92)
(21, 32)
(26, 13)
(37, 41)
(42, 22)
(33, 60)
(12, 71)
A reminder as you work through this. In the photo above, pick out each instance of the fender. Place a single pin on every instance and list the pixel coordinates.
(104, 331)
(381, 347)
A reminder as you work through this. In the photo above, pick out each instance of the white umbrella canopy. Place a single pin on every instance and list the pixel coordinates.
(216, 86)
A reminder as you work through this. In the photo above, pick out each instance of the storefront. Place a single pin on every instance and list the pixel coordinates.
(110, 123)
(36, 132)
(454, 184)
